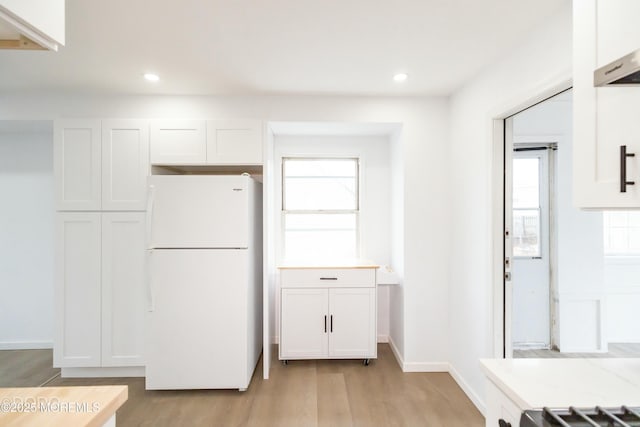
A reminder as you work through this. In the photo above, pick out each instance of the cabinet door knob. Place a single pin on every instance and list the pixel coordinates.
(623, 168)
(503, 423)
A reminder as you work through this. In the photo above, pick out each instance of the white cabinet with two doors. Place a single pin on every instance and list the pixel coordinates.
(100, 169)
(100, 289)
(328, 313)
(206, 142)
(605, 118)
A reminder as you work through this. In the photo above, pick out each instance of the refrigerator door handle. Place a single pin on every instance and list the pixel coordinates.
(149, 215)
(151, 305)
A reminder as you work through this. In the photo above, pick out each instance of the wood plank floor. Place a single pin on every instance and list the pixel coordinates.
(304, 393)
(615, 350)
(26, 368)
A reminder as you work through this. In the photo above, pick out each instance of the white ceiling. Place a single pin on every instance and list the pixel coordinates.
(275, 47)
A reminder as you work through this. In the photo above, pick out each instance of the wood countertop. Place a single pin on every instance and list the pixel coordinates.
(60, 406)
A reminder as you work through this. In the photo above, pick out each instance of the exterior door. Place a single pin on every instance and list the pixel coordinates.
(530, 245)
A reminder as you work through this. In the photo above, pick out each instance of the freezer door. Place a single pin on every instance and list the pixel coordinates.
(196, 333)
(191, 211)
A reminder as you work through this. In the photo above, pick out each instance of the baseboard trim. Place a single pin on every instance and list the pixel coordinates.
(475, 399)
(26, 345)
(127, 371)
(383, 338)
(396, 353)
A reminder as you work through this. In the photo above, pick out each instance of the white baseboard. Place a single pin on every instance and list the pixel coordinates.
(396, 352)
(416, 366)
(128, 371)
(25, 345)
(383, 338)
(468, 391)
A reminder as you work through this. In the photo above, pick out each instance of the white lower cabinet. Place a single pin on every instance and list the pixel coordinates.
(501, 408)
(99, 289)
(77, 290)
(123, 288)
(322, 317)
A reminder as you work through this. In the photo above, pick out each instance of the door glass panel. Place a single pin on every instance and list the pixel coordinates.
(526, 207)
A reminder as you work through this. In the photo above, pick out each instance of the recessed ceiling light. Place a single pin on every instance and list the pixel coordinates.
(151, 77)
(400, 77)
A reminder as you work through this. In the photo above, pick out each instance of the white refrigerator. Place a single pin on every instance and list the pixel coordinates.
(204, 320)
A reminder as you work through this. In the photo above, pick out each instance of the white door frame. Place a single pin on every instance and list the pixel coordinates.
(501, 325)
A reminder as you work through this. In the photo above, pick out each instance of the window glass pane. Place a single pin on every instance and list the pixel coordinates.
(320, 237)
(526, 175)
(320, 167)
(526, 232)
(320, 184)
(326, 193)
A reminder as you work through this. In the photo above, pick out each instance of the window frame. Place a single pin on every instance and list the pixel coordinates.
(356, 212)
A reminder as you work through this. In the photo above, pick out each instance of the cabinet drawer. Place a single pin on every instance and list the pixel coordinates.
(327, 277)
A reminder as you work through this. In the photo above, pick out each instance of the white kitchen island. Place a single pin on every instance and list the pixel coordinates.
(518, 384)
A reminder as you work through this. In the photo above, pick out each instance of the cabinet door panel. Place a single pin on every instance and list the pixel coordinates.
(76, 147)
(178, 142)
(604, 117)
(125, 164)
(234, 142)
(352, 322)
(302, 327)
(77, 290)
(123, 288)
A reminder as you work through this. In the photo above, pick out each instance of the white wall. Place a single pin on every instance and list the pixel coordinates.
(423, 154)
(26, 239)
(536, 65)
(375, 193)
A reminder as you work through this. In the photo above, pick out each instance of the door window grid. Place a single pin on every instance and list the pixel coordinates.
(320, 208)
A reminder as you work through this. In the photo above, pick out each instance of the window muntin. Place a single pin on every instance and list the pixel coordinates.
(320, 207)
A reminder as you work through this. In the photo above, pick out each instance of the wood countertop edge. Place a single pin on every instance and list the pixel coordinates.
(103, 415)
(110, 398)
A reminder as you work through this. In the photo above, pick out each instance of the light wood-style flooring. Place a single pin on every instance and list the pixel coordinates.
(615, 350)
(302, 393)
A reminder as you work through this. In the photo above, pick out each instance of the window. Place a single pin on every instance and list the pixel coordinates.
(621, 233)
(320, 208)
(526, 207)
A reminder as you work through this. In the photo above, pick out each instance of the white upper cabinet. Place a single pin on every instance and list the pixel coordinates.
(234, 142)
(101, 165)
(178, 142)
(77, 164)
(214, 142)
(125, 164)
(605, 118)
